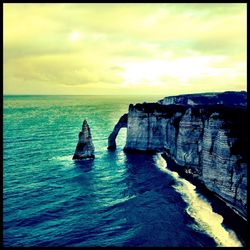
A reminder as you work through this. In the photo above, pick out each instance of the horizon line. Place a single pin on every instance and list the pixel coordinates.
(79, 94)
(120, 94)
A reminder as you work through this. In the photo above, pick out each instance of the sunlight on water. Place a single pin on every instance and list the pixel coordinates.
(200, 209)
(62, 158)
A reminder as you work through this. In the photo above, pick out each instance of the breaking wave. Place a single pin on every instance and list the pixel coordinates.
(201, 210)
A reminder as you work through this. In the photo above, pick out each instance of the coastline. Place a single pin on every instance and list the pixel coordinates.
(231, 217)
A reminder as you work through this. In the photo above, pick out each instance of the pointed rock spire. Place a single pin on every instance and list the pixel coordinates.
(84, 148)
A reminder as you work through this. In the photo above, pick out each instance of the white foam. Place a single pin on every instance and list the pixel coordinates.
(118, 201)
(62, 158)
(201, 210)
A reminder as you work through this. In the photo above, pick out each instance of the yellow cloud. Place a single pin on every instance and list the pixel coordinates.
(142, 48)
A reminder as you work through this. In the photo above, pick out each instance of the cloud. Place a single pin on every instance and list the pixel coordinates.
(103, 47)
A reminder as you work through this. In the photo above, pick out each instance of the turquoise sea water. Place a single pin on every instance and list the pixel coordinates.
(116, 200)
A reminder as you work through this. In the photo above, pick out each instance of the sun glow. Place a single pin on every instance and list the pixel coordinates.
(169, 70)
(143, 73)
(74, 36)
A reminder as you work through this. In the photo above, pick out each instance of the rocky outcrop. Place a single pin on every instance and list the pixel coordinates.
(122, 123)
(209, 141)
(228, 98)
(85, 148)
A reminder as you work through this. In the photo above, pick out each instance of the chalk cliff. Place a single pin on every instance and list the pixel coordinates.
(84, 148)
(228, 98)
(209, 141)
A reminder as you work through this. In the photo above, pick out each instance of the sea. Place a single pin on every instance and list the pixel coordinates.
(116, 200)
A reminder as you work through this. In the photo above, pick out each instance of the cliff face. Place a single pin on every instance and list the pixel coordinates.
(208, 141)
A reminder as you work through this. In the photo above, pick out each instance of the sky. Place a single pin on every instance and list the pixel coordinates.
(130, 49)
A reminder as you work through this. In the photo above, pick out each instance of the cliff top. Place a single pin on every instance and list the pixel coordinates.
(228, 98)
(225, 112)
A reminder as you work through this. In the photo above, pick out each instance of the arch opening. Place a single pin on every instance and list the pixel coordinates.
(122, 123)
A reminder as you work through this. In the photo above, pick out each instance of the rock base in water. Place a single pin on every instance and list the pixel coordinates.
(77, 157)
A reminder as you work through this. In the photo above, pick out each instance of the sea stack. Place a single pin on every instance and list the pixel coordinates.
(85, 147)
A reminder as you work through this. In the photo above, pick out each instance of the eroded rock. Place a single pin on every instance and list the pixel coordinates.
(85, 147)
(122, 123)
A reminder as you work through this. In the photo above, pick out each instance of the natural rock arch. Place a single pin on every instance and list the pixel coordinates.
(122, 123)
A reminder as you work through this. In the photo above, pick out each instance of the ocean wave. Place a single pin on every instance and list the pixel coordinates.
(201, 210)
(117, 203)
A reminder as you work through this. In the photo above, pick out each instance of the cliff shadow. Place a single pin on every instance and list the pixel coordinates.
(142, 175)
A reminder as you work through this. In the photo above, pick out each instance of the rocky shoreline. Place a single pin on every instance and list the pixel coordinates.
(209, 140)
(231, 217)
(205, 135)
